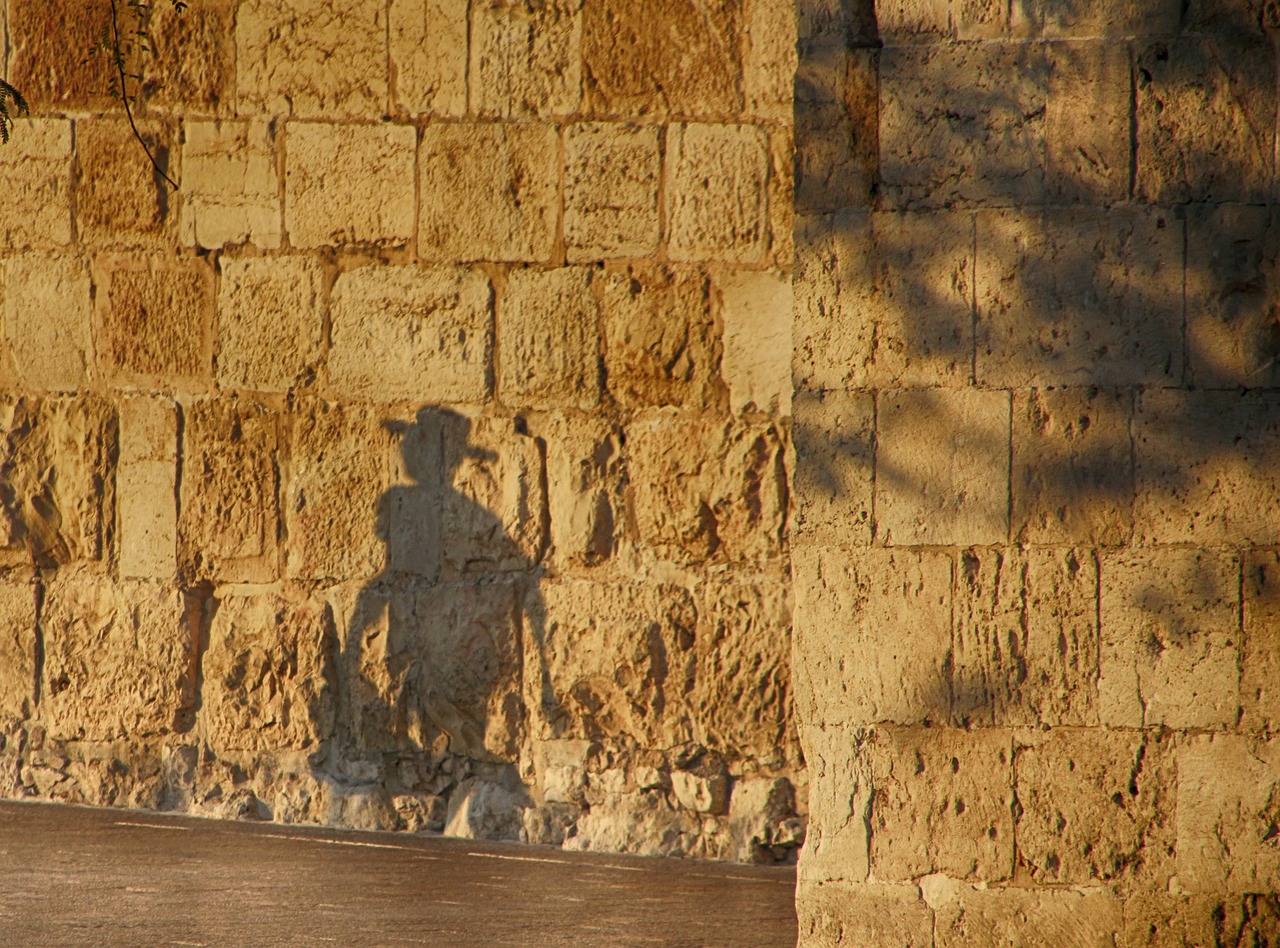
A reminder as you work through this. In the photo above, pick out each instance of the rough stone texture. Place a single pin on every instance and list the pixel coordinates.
(147, 488)
(429, 55)
(757, 314)
(525, 57)
(585, 488)
(716, 199)
(836, 843)
(17, 648)
(231, 184)
(832, 433)
(1089, 918)
(1087, 121)
(874, 916)
(769, 59)
(269, 322)
(36, 165)
(837, 132)
(549, 339)
(193, 57)
(47, 54)
(611, 190)
(1161, 920)
(119, 201)
(1260, 645)
(46, 320)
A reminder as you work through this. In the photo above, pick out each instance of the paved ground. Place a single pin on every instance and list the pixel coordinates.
(74, 876)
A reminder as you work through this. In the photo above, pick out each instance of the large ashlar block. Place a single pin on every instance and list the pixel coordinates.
(411, 333)
(884, 300)
(833, 435)
(782, 198)
(1087, 121)
(769, 59)
(1097, 806)
(1260, 648)
(1072, 466)
(1025, 638)
(1206, 120)
(840, 915)
(429, 55)
(837, 843)
(119, 660)
(826, 23)
(1205, 466)
(525, 57)
(120, 201)
(17, 648)
(717, 200)
(872, 634)
(505, 175)
(1088, 918)
(1075, 20)
(146, 488)
(232, 186)
(1161, 920)
(48, 48)
(311, 58)
(348, 184)
(941, 801)
(987, 146)
(914, 21)
(756, 309)
(549, 339)
(35, 167)
(942, 467)
(1228, 786)
(47, 314)
(837, 108)
(192, 61)
(1079, 297)
(662, 344)
(228, 525)
(678, 57)
(154, 320)
(585, 487)
(269, 322)
(1169, 639)
(611, 190)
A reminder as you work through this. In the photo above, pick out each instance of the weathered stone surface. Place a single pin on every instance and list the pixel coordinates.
(907, 21)
(348, 184)
(228, 525)
(872, 635)
(192, 61)
(1087, 121)
(146, 488)
(411, 333)
(17, 648)
(231, 192)
(1160, 920)
(35, 167)
(781, 196)
(549, 339)
(47, 54)
(1169, 638)
(505, 175)
(662, 346)
(1227, 827)
(1204, 467)
(1079, 297)
(757, 314)
(429, 55)
(1073, 19)
(585, 487)
(836, 915)
(644, 824)
(884, 300)
(118, 201)
(837, 129)
(1097, 806)
(483, 810)
(154, 320)
(312, 58)
(836, 844)
(832, 433)
(525, 57)
(269, 322)
(47, 313)
(824, 23)
(700, 793)
(942, 467)
(118, 660)
(716, 192)
(769, 58)
(611, 190)
(1260, 645)
(762, 818)
(1088, 918)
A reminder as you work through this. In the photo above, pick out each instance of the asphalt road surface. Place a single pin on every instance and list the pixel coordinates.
(76, 876)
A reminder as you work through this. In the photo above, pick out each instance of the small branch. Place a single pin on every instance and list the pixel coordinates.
(124, 97)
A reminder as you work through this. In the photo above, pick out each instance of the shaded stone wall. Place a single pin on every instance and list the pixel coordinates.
(1037, 432)
(423, 460)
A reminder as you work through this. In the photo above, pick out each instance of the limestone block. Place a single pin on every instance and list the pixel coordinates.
(643, 824)
(823, 23)
(1088, 918)
(756, 309)
(837, 129)
(836, 845)
(716, 192)
(1260, 645)
(146, 488)
(483, 810)
(941, 802)
(743, 690)
(119, 660)
(680, 57)
(585, 487)
(549, 339)
(1232, 339)
(48, 59)
(1204, 467)
(1169, 639)
(1073, 19)
(987, 146)
(348, 184)
(1097, 806)
(872, 635)
(662, 346)
(986, 20)
(119, 198)
(311, 58)
(769, 58)
(1072, 466)
(832, 433)
(411, 333)
(269, 322)
(884, 300)
(1229, 16)
(338, 472)
(17, 648)
(1160, 920)
(782, 198)
(429, 56)
(35, 167)
(1227, 826)
(942, 467)
(505, 175)
(231, 192)
(914, 21)
(47, 312)
(525, 57)
(836, 915)
(1206, 120)
(1087, 120)
(1079, 297)
(699, 793)
(154, 317)
(192, 61)
(265, 683)
(611, 190)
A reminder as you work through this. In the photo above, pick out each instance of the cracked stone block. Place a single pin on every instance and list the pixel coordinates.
(429, 55)
(47, 316)
(231, 192)
(525, 57)
(833, 435)
(269, 322)
(549, 339)
(119, 201)
(756, 309)
(36, 164)
(717, 203)
(17, 648)
(611, 190)
(1089, 918)
(1260, 645)
(146, 488)
(841, 915)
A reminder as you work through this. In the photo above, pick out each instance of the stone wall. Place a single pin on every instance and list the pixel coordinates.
(1037, 430)
(423, 461)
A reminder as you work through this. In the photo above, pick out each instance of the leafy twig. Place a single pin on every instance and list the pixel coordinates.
(8, 93)
(124, 97)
